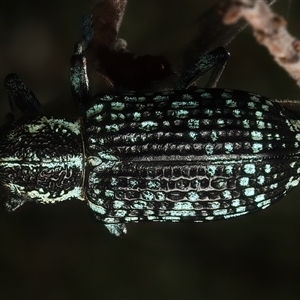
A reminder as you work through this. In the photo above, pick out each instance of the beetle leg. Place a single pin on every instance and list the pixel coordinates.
(215, 59)
(78, 77)
(13, 203)
(116, 229)
(21, 96)
(78, 70)
(87, 30)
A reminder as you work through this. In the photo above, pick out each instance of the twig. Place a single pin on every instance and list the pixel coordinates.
(212, 32)
(270, 31)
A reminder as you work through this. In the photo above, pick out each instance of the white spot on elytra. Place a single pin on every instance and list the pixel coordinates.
(256, 135)
(249, 168)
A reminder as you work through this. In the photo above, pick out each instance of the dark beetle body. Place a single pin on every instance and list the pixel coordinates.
(190, 155)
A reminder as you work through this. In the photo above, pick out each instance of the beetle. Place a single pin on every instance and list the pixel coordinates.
(182, 155)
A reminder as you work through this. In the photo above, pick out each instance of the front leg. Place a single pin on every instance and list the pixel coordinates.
(21, 96)
(78, 70)
(78, 77)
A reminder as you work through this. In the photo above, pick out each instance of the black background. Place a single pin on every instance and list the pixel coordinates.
(61, 252)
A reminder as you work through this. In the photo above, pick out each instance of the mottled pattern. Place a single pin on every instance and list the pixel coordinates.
(41, 160)
(194, 156)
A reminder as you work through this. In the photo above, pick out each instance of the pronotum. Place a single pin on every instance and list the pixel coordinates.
(182, 155)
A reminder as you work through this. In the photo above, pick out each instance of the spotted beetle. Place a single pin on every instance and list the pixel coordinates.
(181, 155)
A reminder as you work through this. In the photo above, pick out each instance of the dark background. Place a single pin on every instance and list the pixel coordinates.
(61, 252)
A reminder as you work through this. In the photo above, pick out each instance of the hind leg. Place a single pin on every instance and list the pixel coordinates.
(215, 60)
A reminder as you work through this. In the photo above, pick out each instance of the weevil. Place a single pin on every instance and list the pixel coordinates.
(182, 155)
